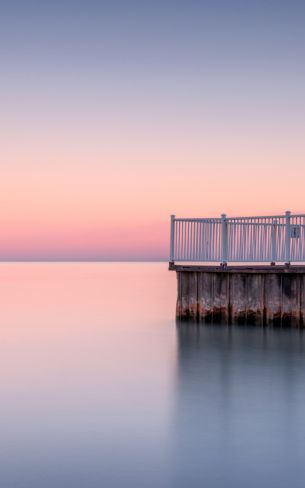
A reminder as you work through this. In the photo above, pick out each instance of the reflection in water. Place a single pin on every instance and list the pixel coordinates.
(87, 368)
(240, 406)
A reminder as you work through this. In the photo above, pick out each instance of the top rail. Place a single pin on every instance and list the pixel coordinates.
(271, 238)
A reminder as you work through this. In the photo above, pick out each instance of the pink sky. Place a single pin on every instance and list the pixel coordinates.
(113, 121)
(106, 210)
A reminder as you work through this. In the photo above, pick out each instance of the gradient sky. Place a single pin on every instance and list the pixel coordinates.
(116, 114)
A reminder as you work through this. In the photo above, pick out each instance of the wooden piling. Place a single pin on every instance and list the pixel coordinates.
(258, 295)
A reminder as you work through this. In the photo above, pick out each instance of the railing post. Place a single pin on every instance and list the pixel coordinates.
(172, 240)
(273, 242)
(287, 237)
(224, 239)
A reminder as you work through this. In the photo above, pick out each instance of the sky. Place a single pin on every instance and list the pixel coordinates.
(115, 115)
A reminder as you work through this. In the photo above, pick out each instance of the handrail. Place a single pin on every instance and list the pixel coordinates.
(272, 238)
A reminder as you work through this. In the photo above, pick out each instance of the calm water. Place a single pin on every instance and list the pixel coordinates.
(99, 388)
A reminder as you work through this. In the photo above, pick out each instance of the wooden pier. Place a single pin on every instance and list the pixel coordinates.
(260, 294)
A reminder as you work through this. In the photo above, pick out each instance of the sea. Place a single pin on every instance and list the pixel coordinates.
(100, 387)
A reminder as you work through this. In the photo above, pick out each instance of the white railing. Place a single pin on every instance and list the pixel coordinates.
(279, 238)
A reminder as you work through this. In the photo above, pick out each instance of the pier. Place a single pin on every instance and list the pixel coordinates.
(246, 270)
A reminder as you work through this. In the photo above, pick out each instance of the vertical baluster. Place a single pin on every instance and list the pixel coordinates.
(273, 241)
(287, 238)
(178, 241)
(203, 238)
(183, 238)
(195, 241)
(189, 237)
(200, 240)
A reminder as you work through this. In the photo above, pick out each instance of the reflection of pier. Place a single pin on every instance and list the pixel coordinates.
(239, 404)
(246, 290)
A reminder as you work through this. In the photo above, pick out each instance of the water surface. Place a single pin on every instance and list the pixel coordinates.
(100, 387)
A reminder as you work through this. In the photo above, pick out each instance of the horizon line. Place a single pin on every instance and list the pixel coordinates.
(3, 261)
